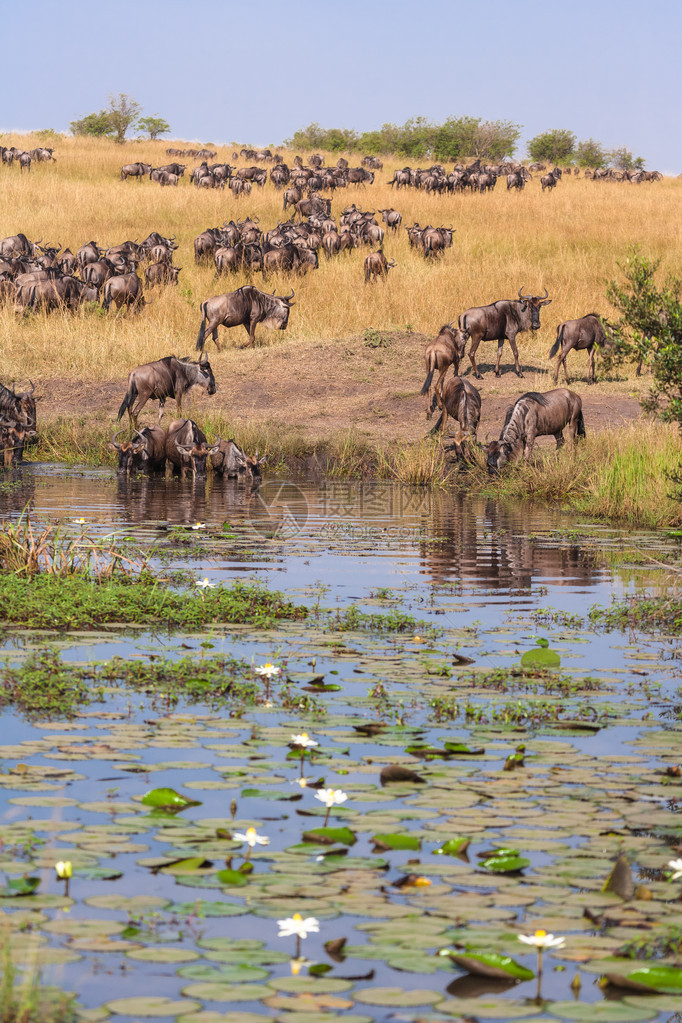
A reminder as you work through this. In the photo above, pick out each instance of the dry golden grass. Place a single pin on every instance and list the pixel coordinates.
(568, 241)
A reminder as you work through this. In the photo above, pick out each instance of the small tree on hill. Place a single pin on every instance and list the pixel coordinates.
(123, 111)
(153, 126)
(555, 146)
(623, 159)
(590, 153)
(97, 125)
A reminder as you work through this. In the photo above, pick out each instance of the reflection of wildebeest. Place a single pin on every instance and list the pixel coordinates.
(445, 350)
(146, 452)
(585, 333)
(123, 290)
(247, 306)
(461, 400)
(187, 447)
(167, 378)
(536, 415)
(503, 319)
(13, 437)
(231, 461)
(376, 265)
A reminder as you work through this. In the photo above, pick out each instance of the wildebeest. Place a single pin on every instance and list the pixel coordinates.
(536, 415)
(169, 377)
(187, 447)
(161, 273)
(135, 170)
(391, 218)
(516, 180)
(231, 461)
(376, 265)
(549, 180)
(123, 290)
(503, 319)
(461, 400)
(445, 350)
(47, 293)
(146, 452)
(247, 306)
(586, 333)
(19, 406)
(13, 437)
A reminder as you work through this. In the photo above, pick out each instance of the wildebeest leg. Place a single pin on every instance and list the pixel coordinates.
(515, 353)
(559, 438)
(500, 346)
(591, 376)
(436, 391)
(162, 404)
(562, 358)
(475, 342)
(251, 331)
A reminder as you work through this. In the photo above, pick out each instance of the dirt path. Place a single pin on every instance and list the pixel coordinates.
(322, 389)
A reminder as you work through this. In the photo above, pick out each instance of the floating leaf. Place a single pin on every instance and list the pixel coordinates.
(330, 836)
(232, 878)
(666, 980)
(396, 773)
(19, 887)
(454, 847)
(167, 799)
(384, 842)
(505, 864)
(274, 794)
(152, 1006)
(490, 964)
(541, 657)
(461, 749)
(620, 880)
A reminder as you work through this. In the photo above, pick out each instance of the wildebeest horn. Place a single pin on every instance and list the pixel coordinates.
(113, 439)
(289, 297)
(546, 294)
(33, 386)
(523, 296)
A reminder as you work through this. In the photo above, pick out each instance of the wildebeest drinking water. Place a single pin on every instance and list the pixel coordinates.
(167, 378)
(247, 306)
(445, 350)
(586, 333)
(536, 415)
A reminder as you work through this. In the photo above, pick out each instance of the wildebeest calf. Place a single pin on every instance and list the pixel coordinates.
(445, 350)
(536, 415)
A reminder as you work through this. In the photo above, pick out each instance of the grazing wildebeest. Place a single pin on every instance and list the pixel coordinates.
(169, 377)
(21, 406)
(445, 350)
(503, 319)
(549, 180)
(376, 265)
(461, 400)
(187, 448)
(123, 290)
(146, 452)
(586, 333)
(247, 306)
(47, 293)
(18, 245)
(161, 273)
(516, 180)
(135, 170)
(231, 461)
(536, 415)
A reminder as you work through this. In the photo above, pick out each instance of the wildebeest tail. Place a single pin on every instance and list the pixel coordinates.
(129, 399)
(581, 424)
(202, 328)
(427, 382)
(559, 341)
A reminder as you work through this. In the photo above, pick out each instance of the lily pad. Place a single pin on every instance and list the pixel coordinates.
(152, 1006)
(396, 841)
(666, 980)
(167, 799)
(490, 964)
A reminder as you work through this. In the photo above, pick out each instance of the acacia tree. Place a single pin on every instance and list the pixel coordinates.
(555, 146)
(123, 111)
(590, 153)
(153, 126)
(623, 159)
(97, 125)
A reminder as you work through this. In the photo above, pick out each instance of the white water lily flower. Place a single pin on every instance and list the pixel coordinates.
(199, 525)
(252, 838)
(296, 925)
(268, 670)
(79, 522)
(304, 741)
(205, 584)
(331, 797)
(541, 939)
(64, 869)
(675, 865)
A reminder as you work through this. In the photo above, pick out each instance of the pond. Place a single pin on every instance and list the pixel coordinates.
(483, 800)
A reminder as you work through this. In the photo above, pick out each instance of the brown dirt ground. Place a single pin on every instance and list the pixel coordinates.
(320, 390)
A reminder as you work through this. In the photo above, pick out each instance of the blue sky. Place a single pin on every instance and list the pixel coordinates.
(256, 71)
